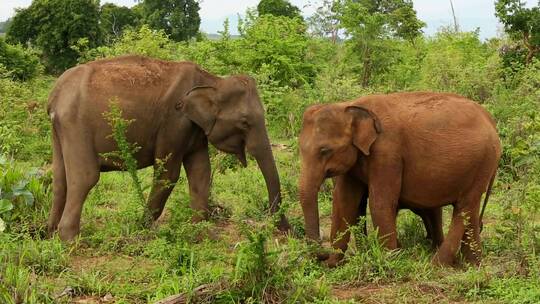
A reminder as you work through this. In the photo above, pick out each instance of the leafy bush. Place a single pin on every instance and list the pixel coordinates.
(22, 197)
(24, 123)
(54, 26)
(276, 46)
(268, 274)
(459, 63)
(144, 41)
(18, 63)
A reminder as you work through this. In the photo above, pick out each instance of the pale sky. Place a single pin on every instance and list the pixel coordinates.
(436, 13)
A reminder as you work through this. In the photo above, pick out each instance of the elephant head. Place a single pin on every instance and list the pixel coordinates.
(232, 116)
(331, 139)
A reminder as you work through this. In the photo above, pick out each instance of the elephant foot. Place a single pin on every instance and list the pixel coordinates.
(435, 245)
(442, 260)
(199, 217)
(51, 230)
(284, 225)
(323, 256)
(67, 234)
(334, 260)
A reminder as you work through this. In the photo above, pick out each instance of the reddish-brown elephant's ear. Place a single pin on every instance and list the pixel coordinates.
(200, 107)
(366, 126)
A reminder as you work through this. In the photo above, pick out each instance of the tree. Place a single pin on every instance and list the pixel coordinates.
(521, 23)
(4, 25)
(17, 62)
(278, 8)
(276, 46)
(325, 21)
(55, 26)
(178, 18)
(114, 19)
(371, 26)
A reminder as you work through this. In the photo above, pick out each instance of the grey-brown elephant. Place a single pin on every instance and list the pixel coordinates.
(176, 108)
(425, 150)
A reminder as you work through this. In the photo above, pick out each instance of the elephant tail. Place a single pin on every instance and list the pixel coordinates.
(486, 198)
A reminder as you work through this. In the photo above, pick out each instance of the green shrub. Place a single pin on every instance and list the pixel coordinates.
(459, 63)
(277, 46)
(23, 194)
(144, 41)
(17, 62)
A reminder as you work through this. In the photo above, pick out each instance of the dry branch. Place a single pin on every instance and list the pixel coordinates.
(203, 293)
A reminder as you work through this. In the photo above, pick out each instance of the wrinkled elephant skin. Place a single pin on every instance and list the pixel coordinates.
(420, 149)
(176, 108)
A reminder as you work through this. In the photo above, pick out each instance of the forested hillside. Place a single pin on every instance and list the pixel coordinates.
(346, 50)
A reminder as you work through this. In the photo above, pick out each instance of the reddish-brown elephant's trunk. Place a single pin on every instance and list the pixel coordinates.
(309, 190)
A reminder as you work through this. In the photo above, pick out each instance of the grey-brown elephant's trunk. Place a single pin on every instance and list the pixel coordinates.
(309, 190)
(258, 145)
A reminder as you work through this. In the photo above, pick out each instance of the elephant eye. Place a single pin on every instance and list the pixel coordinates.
(325, 151)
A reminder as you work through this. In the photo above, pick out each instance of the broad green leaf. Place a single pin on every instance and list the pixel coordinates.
(5, 205)
(26, 195)
(20, 186)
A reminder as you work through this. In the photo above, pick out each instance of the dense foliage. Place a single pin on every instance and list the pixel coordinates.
(178, 18)
(17, 62)
(113, 20)
(374, 27)
(278, 8)
(54, 26)
(521, 23)
(4, 25)
(237, 256)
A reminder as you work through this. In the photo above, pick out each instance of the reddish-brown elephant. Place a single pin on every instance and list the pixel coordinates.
(424, 150)
(432, 219)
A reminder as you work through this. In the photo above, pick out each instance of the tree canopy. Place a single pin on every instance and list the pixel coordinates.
(114, 19)
(178, 18)
(278, 8)
(4, 25)
(521, 23)
(371, 24)
(54, 26)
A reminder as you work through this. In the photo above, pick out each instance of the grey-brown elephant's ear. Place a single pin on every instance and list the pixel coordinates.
(200, 107)
(366, 127)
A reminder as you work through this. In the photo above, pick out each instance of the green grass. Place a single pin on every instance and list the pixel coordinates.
(238, 254)
(239, 249)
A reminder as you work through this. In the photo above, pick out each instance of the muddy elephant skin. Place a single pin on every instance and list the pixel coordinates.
(176, 108)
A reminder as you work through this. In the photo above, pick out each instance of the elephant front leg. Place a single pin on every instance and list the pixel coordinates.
(437, 236)
(384, 190)
(345, 211)
(164, 180)
(197, 166)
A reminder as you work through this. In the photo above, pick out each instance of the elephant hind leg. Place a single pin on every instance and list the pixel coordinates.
(59, 185)
(82, 173)
(470, 248)
(464, 221)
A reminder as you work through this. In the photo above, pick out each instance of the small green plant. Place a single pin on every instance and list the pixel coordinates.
(18, 191)
(123, 157)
